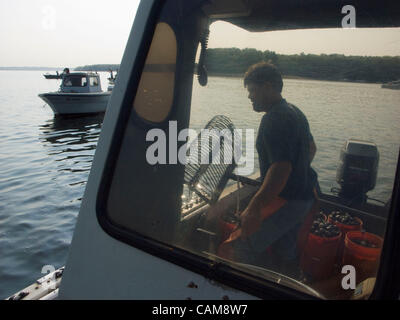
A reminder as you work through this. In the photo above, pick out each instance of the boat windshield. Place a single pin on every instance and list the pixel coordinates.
(75, 81)
(306, 107)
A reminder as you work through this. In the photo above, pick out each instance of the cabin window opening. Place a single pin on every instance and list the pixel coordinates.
(75, 81)
(94, 81)
(154, 97)
(351, 119)
(354, 185)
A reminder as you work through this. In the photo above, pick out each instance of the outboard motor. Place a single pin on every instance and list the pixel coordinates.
(357, 170)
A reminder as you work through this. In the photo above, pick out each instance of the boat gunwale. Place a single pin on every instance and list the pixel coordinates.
(71, 94)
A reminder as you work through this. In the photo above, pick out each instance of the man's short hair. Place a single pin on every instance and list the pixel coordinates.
(264, 72)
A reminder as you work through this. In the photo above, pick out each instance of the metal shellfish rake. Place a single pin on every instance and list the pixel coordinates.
(208, 171)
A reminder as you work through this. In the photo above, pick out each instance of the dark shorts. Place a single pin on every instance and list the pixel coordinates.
(279, 232)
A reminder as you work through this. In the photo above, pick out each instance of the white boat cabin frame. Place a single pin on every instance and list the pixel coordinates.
(81, 82)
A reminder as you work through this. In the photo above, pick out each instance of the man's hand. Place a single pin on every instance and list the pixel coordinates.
(250, 221)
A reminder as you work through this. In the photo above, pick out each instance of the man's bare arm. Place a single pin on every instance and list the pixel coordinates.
(274, 182)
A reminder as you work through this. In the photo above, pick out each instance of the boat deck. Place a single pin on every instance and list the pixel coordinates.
(206, 236)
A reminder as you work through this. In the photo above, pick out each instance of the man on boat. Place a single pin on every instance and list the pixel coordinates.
(273, 218)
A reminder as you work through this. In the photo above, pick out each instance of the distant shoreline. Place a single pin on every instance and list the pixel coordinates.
(30, 69)
(237, 75)
(225, 75)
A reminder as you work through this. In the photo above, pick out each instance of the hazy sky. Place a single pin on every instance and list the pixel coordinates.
(70, 33)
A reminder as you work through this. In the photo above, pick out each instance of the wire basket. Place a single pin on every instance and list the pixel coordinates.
(208, 170)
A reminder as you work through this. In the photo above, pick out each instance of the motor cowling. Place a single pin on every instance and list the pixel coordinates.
(357, 170)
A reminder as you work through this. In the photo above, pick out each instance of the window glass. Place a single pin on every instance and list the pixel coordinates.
(280, 163)
(94, 81)
(155, 94)
(75, 81)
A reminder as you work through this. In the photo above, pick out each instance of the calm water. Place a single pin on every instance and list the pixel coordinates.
(45, 162)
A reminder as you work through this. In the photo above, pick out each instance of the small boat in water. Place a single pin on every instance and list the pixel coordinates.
(392, 85)
(57, 75)
(53, 76)
(80, 93)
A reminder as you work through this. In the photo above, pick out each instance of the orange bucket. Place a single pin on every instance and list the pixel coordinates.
(344, 228)
(319, 256)
(364, 259)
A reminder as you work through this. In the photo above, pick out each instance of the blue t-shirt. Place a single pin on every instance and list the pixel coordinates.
(284, 135)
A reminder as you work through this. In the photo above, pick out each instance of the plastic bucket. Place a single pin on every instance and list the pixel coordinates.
(319, 256)
(306, 227)
(364, 259)
(344, 228)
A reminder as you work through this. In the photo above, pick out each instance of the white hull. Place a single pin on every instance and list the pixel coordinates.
(45, 288)
(76, 103)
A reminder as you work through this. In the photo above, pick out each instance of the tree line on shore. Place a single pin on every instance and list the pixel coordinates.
(98, 67)
(336, 67)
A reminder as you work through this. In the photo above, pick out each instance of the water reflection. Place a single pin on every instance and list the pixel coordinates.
(71, 141)
(64, 127)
